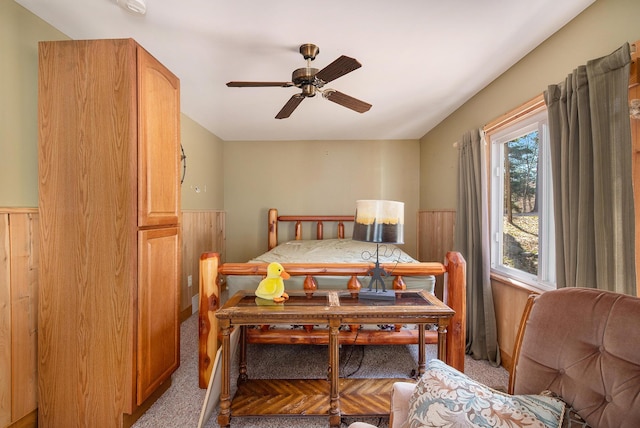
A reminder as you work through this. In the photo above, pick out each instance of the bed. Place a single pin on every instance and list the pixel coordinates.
(328, 263)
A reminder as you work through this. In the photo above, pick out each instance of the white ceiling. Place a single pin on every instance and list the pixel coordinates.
(421, 59)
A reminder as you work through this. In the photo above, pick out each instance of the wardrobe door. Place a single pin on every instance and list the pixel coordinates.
(158, 143)
(158, 350)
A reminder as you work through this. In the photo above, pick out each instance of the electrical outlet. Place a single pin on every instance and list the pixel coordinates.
(190, 281)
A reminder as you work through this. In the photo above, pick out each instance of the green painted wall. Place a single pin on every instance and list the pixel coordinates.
(313, 177)
(203, 185)
(20, 32)
(597, 31)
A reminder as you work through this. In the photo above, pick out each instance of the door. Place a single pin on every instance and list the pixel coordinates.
(158, 328)
(158, 143)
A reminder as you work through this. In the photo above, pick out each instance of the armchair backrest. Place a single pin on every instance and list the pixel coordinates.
(583, 345)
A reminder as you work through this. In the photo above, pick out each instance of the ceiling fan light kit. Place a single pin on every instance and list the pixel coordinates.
(310, 80)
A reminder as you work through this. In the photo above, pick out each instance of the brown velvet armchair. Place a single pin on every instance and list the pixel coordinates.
(581, 345)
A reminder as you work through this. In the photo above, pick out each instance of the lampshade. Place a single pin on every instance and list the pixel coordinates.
(379, 221)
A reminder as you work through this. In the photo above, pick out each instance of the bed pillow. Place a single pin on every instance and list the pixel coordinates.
(445, 397)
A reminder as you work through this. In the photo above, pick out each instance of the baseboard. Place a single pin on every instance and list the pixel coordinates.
(30, 420)
(195, 303)
(506, 361)
(185, 314)
(129, 420)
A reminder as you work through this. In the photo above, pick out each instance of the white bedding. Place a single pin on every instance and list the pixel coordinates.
(330, 251)
(333, 251)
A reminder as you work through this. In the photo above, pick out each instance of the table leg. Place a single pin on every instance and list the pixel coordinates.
(334, 369)
(442, 340)
(421, 350)
(224, 416)
(242, 369)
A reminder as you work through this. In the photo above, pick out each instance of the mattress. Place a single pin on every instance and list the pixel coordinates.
(330, 251)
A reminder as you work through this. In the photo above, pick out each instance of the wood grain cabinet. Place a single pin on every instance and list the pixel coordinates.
(109, 199)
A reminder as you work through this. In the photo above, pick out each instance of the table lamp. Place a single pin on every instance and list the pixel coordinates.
(381, 222)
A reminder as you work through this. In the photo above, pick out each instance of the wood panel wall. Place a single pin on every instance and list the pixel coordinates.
(509, 301)
(19, 313)
(435, 229)
(201, 231)
(5, 322)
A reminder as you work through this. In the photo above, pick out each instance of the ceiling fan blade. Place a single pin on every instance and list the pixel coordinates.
(258, 84)
(338, 68)
(347, 101)
(290, 106)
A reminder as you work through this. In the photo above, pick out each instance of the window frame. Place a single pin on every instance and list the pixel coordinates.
(528, 117)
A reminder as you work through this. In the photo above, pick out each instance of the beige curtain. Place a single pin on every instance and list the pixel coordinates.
(591, 150)
(472, 241)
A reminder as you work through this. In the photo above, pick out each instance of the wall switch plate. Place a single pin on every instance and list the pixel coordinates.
(195, 303)
(190, 281)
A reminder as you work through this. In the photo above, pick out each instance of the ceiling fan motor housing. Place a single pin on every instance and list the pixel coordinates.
(305, 78)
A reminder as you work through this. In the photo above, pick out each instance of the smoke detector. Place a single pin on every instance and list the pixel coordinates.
(138, 7)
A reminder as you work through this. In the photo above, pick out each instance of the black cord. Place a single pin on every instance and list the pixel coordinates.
(361, 347)
(367, 255)
(352, 348)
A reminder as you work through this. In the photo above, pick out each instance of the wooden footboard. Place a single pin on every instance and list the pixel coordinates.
(453, 269)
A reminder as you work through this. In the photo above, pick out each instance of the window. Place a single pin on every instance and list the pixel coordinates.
(522, 228)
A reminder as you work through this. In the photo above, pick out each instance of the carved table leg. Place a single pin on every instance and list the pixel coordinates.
(442, 340)
(334, 369)
(242, 369)
(224, 416)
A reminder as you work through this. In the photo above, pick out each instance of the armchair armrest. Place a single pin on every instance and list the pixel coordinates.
(400, 395)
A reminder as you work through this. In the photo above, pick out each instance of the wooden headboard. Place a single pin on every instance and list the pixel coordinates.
(319, 220)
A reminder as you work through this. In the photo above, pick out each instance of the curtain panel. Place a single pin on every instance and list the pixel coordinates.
(590, 136)
(472, 241)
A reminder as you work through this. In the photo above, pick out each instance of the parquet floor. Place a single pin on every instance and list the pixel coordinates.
(362, 397)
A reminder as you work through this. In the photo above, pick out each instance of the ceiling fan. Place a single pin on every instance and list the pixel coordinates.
(310, 81)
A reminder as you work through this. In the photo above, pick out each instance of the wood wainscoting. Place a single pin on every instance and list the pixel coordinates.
(18, 314)
(202, 231)
(509, 300)
(19, 231)
(436, 231)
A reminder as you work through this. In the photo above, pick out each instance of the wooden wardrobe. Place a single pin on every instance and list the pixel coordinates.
(109, 201)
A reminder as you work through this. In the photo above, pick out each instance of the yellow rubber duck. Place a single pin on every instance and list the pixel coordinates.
(272, 287)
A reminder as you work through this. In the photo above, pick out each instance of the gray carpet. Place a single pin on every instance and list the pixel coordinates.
(180, 406)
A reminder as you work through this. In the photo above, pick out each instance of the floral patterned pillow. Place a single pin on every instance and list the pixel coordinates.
(445, 397)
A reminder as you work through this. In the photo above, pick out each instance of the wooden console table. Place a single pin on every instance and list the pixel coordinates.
(333, 308)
